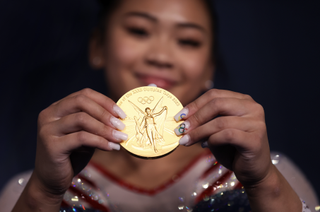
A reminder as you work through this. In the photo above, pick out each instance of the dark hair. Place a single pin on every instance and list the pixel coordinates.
(107, 7)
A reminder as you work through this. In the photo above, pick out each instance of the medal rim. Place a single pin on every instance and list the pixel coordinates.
(157, 156)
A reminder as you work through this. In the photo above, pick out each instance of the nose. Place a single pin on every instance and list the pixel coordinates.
(159, 55)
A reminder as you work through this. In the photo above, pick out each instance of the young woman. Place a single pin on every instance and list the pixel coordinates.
(168, 43)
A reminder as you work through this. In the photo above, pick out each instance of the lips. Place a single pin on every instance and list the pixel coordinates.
(159, 81)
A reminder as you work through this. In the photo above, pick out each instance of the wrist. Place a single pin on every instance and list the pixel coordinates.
(36, 198)
(269, 185)
(273, 193)
(40, 191)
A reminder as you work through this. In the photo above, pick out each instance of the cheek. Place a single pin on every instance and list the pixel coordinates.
(120, 54)
(194, 66)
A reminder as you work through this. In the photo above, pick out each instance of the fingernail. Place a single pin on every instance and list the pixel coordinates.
(182, 128)
(205, 144)
(114, 146)
(182, 114)
(184, 140)
(119, 111)
(120, 135)
(153, 85)
(117, 123)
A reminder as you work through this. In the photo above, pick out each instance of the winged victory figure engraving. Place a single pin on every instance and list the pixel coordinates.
(149, 125)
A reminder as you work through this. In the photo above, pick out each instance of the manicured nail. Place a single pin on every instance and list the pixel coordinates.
(153, 85)
(182, 128)
(117, 123)
(119, 111)
(120, 135)
(182, 114)
(114, 146)
(205, 144)
(184, 140)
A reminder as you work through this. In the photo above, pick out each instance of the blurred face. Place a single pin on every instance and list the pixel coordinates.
(165, 42)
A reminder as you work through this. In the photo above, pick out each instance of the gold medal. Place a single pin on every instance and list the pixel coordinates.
(150, 121)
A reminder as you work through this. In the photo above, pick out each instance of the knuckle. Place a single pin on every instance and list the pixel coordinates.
(221, 123)
(259, 109)
(104, 131)
(247, 96)
(81, 137)
(196, 121)
(86, 91)
(229, 134)
(193, 106)
(100, 141)
(42, 116)
(43, 131)
(215, 103)
(81, 118)
(80, 98)
(104, 114)
(212, 93)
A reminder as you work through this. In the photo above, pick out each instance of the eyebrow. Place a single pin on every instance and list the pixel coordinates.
(155, 20)
(191, 25)
(143, 15)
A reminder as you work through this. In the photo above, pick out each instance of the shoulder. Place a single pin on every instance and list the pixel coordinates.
(296, 178)
(12, 191)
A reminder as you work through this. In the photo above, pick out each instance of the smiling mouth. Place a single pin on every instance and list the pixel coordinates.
(159, 81)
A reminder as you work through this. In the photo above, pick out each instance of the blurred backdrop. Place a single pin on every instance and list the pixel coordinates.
(268, 49)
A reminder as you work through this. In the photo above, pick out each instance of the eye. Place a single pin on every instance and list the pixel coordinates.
(139, 32)
(189, 43)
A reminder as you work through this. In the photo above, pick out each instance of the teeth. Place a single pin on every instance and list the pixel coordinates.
(153, 85)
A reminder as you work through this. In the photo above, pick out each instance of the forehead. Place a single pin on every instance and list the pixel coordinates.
(178, 11)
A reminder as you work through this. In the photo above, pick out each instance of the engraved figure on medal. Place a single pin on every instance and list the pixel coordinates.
(149, 125)
(150, 121)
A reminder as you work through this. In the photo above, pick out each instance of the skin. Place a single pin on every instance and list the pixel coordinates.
(133, 45)
(161, 42)
(144, 44)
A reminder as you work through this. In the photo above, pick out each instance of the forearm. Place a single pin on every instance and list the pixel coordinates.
(34, 198)
(273, 194)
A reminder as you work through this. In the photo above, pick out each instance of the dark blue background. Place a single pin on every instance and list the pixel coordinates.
(268, 49)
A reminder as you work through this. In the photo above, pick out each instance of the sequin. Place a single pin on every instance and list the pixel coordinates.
(275, 159)
(188, 209)
(205, 186)
(75, 199)
(206, 198)
(21, 181)
(235, 200)
(181, 207)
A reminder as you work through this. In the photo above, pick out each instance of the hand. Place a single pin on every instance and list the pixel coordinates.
(68, 133)
(233, 126)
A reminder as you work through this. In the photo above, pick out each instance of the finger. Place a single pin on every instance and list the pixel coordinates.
(76, 140)
(204, 99)
(219, 124)
(107, 103)
(83, 122)
(234, 137)
(216, 107)
(80, 102)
